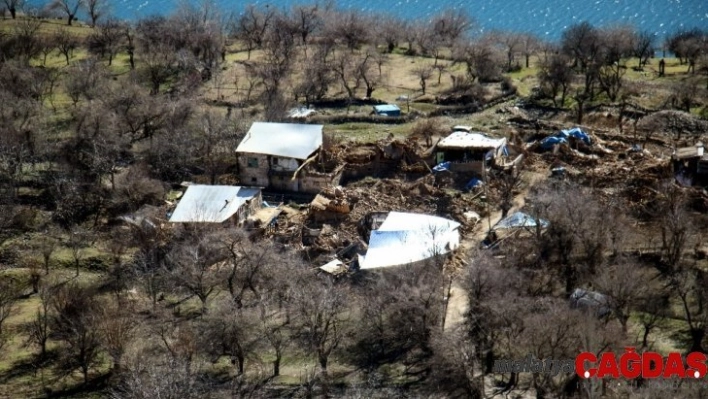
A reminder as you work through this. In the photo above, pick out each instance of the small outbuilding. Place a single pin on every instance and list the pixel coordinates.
(469, 152)
(387, 110)
(230, 205)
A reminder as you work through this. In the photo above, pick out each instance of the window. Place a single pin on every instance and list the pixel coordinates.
(275, 161)
(252, 162)
(254, 180)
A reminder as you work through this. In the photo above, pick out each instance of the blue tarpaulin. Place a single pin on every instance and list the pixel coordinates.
(577, 133)
(475, 182)
(442, 167)
(550, 141)
(563, 136)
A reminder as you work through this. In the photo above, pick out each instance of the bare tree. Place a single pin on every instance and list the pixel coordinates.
(96, 9)
(193, 269)
(252, 25)
(9, 291)
(230, 331)
(349, 28)
(423, 73)
(68, 7)
(117, 326)
(39, 328)
(675, 226)
(160, 376)
(530, 44)
(75, 324)
(366, 70)
(306, 20)
(66, 43)
(627, 285)
(452, 25)
(556, 77)
(13, 6)
(319, 312)
(108, 40)
(643, 46)
(77, 242)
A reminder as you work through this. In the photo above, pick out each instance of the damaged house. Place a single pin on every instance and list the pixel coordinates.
(282, 156)
(469, 152)
(406, 238)
(691, 165)
(229, 205)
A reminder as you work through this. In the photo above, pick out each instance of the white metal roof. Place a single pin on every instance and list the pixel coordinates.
(287, 140)
(470, 140)
(405, 238)
(211, 204)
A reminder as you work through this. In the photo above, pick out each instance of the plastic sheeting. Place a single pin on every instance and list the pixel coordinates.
(441, 167)
(519, 220)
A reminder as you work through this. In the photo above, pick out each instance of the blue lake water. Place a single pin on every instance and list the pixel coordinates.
(544, 18)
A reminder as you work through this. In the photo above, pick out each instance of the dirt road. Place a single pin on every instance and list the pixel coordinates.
(457, 305)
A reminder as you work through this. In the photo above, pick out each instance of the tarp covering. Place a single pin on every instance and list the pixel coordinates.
(405, 238)
(563, 136)
(576, 133)
(551, 141)
(441, 167)
(475, 182)
(518, 220)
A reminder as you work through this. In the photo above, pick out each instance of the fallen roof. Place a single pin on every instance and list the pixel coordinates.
(518, 220)
(211, 204)
(405, 238)
(287, 140)
(470, 140)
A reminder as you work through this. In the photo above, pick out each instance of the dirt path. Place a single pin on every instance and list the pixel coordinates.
(457, 305)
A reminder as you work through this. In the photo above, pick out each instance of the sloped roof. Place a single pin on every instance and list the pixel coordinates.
(470, 140)
(211, 204)
(287, 140)
(386, 108)
(518, 220)
(405, 238)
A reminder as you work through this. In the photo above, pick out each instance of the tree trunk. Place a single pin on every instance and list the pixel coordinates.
(13, 12)
(323, 362)
(70, 19)
(276, 365)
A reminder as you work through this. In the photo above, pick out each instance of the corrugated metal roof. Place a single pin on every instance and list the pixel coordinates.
(470, 140)
(386, 108)
(405, 238)
(211, 204)
(287, 140)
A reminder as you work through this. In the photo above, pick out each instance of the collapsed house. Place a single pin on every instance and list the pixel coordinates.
(469, 152)
(406, 238)
(331, 205)
(280, 156)
(230, 205)
(690, 165)
(515, 225)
